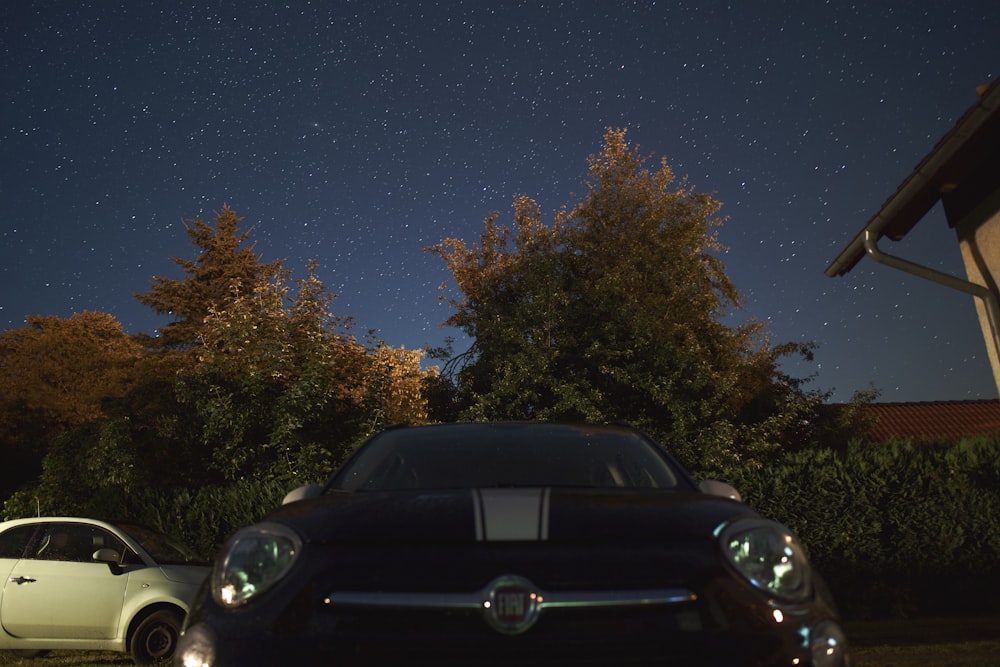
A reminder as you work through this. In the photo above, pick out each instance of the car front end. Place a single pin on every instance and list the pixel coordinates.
(600, 577)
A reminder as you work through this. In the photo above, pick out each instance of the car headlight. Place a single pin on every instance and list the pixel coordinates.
(768, 556)
(255, 559)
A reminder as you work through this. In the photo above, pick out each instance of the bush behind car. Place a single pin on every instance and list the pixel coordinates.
(202, 517)
(896, 528)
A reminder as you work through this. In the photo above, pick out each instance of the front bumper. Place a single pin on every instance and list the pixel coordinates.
(727, 626)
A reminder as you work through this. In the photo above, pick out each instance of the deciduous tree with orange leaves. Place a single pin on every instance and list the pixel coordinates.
(63, 368)
(56, 374)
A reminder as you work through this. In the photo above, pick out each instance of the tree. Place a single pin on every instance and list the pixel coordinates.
(254, 379)
(55, 375)
(614, 313)
(394, 387)
(264, 377)
(282, 389)
(65, 368)
(209, 282)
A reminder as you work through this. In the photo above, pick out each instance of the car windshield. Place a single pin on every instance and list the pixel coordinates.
(164, 549)
(506, 455)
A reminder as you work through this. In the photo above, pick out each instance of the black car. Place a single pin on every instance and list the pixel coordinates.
(514, 543)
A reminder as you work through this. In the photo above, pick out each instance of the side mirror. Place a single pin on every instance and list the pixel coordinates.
(302, 493)
(111, 557)
(714, 487)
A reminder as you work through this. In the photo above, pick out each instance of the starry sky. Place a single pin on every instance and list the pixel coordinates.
(358, 132)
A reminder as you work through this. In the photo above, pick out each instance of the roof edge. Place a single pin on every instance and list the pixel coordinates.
(922, 175)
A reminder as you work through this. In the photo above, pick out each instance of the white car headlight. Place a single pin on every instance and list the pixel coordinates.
(255, 559)
(768, 556)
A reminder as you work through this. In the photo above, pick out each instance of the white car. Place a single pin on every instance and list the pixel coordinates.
(82, 584)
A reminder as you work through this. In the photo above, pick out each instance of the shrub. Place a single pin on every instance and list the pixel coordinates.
(897, 527)
(203, 518)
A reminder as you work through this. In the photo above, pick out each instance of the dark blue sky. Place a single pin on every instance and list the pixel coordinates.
(359, 132)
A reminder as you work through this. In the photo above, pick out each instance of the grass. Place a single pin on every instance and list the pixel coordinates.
(926, 642)
(952, 654)
(68, 659)
(922, 642)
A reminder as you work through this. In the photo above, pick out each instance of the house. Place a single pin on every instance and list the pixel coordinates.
(962, 172)
(933, 421)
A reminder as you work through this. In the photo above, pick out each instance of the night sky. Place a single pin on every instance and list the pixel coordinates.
(359, 132)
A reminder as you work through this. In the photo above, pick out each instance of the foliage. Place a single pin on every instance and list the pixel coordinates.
(613, 313)
(264, 371)
(202, 517)
(283, 390)
(837, 425)
(56, 374)
(260, 381)
(886, 523)
(394, 387)
(208, 283)
(65, 368)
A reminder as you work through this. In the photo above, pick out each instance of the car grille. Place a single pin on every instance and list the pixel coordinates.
(561, 636)
(335, 612)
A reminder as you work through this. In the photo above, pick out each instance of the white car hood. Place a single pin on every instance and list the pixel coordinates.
(186, 574)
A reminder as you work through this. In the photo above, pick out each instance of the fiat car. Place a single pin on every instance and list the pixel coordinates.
(515, 544)
(84, 584)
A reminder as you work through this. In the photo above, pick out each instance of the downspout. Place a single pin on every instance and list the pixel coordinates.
(990, 301)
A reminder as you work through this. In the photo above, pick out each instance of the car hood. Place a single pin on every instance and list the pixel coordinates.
(186, 574)
(518, 514)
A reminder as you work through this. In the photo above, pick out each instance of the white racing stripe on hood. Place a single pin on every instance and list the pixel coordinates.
(511, 514)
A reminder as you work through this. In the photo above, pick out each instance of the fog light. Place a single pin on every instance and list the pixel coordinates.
(196, 647)
(828, 645)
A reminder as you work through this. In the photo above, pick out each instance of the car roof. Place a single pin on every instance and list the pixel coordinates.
(60, 519)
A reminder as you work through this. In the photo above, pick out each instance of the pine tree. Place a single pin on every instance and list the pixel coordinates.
(222, 270)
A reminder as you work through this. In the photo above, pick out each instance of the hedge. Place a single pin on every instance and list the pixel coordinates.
(202, 518)
(896, 528)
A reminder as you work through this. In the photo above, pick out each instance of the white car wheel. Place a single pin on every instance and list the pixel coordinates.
(155, 640)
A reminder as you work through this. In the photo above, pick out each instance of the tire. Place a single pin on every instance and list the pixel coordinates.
(29, 652)
(155, 640)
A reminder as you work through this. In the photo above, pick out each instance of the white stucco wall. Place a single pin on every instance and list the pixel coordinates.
(979, 240)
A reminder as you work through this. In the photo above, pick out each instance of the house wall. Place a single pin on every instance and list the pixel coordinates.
(979, 240)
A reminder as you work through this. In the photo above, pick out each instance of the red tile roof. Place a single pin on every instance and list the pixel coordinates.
(938, 420)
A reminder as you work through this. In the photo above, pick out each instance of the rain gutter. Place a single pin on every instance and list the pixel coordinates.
(921, 182)
(990, 301)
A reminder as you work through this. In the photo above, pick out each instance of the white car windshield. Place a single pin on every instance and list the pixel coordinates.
(164, 549)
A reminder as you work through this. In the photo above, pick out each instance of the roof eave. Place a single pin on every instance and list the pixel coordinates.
(923, 188)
